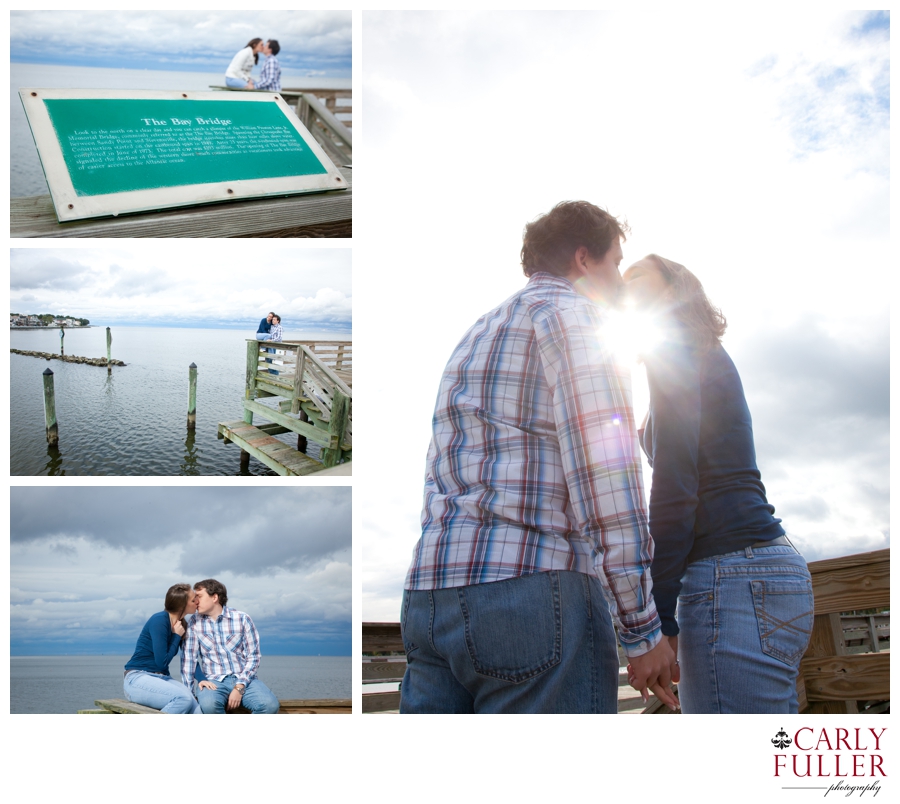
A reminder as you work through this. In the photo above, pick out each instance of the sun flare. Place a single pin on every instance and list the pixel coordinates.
(630, 333)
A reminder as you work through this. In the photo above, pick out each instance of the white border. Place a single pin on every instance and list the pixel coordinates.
(70, 206)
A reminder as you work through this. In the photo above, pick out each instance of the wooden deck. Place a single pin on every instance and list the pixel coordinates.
(321, 706)
(327, 214)
(835, 678)
(311, 383)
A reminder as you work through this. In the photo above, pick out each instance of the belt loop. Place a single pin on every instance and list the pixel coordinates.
(748, 552)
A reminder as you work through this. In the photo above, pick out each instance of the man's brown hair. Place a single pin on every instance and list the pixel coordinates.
(213, 587)
(550, 241)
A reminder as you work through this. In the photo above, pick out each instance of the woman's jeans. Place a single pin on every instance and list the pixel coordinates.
(171, 697)
(234, 83)
(539, 643)
(745, 621)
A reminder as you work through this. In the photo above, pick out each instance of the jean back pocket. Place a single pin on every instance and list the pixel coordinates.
(784, 613)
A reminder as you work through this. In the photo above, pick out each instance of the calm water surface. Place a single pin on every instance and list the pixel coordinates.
(65, 684)
(134, 421)
(26, 177)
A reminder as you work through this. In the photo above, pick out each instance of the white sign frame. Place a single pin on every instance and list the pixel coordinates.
(71, 207)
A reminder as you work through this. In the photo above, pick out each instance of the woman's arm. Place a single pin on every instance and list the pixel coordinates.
(674, 377)
(164, 642)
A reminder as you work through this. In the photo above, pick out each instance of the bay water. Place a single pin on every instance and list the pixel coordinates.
(134, 420)
(65, 684)
(26, 177)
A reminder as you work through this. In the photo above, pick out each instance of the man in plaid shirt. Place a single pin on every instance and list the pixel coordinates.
(226, 643)
(270, 77)
(534, 526)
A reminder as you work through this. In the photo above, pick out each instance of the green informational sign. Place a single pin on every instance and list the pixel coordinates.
(114, 152)
(111, 146)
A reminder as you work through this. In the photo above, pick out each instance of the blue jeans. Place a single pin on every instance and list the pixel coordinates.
(171, 697)
(745, 621)
(234, 83)
(539, 643)
(258, 698)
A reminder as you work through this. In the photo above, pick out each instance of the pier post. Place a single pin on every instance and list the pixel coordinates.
(192, 397)
(50, 409)
(108, 351)
(62, 338)
(340, 418)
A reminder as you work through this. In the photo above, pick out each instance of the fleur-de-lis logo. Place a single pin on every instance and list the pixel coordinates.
(781, 739)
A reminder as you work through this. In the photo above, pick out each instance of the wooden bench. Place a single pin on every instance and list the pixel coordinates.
(311, 706)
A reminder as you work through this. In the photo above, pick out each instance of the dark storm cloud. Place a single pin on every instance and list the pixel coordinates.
(245, 531)
(34, 269)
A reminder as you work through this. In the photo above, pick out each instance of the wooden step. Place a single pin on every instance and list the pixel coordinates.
(278, 456)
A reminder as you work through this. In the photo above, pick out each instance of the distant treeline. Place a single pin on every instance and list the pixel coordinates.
(50, 318)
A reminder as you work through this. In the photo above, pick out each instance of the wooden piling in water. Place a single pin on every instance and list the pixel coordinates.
(62, 338)
(50, 409)
(192, 397)
(108, 351)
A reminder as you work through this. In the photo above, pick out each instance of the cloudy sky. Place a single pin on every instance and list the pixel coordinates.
(89, 565)
(312, 42)
(752, 148)
(220, 284)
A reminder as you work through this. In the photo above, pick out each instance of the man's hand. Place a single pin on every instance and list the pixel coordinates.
(654, 670)
(234, 698)
(206, 685)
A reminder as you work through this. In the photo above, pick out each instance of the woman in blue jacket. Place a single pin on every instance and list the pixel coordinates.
(147, 679)
(743, 593)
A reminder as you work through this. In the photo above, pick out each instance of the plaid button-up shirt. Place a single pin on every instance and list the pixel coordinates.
(226, 645)
(534, 463)
(270, 76)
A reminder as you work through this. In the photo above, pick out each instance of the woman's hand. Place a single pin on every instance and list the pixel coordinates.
(178, 628)
(206, 685)
(676, 669)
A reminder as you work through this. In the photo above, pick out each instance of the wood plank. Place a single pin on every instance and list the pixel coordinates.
(826, 641)
(859, 677)
(382, 638)
(383, 670)
(295, 425)
(380, 701)
(95, 712)
(35, 217)
(854, 582)
(120, 706)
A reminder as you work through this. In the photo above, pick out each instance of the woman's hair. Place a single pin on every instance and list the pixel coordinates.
(254, 43)
(692, 307)
(177, 599)
(550, 241)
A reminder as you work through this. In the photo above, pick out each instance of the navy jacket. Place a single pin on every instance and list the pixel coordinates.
(707, 496)
(264, 326)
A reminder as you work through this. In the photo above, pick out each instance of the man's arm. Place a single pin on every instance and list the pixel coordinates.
(601, 461)
(251, 650)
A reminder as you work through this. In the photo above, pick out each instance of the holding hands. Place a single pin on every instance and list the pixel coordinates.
(656, 670)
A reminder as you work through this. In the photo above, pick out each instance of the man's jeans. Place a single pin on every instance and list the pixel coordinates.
(745, 621)
(539, 643)
(258, 698)
(161, 692)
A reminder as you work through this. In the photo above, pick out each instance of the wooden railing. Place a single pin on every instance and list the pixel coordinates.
(329, 132)
(314, 378)
(834, 679)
